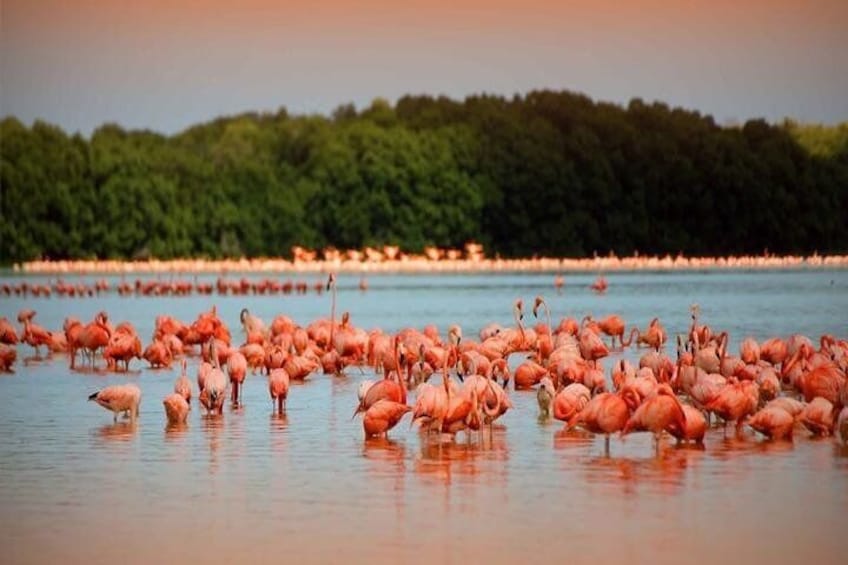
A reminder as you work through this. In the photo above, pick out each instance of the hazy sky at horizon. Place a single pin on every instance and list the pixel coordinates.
(165, 65)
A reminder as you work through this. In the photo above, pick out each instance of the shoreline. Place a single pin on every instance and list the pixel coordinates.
(414, 264)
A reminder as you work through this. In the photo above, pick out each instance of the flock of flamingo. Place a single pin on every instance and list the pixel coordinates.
(173, 287)
(390, 258)
(775, 387)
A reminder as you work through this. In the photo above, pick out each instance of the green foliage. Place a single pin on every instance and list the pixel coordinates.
(550, 173)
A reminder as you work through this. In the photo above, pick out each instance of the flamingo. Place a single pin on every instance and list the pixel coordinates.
(570, 400)
(698, 334)
(696, 426)
(600, 285)
(176, 408)
(7, 332)
(794, 407)
(252, 325)
(95, 335)
(824, 380)
(386, 388)
(214, 384)
(773, 350)
(612, 325)
(430, 407)
(157, 354)
(278, 388)
(299, 366)
(182, 386)
(749, 351)
(33, 334)
(818, 416)
(432, 404)
(494, 399)
(605, 413)
(773, 422)
(73, 328)
(591, 346)
(528, 374)
(538, 303)
(735, 401)
(559, 283)
(658, 412)
(237, 369)
(123, 345)
(331, 286)
(8, 355)
(382, 416)
(517, 341)
(119, 398)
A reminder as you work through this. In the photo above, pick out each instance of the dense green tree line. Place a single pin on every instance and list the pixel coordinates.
(549, 173)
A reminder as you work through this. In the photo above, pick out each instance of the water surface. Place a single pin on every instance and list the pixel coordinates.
(254, 487)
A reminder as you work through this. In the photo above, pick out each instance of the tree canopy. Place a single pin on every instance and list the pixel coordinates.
(549, 173)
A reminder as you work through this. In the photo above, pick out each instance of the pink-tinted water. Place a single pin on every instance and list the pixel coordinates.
(253, 487)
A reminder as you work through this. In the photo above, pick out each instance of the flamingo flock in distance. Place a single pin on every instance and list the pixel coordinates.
(172, 287)
(457, 383)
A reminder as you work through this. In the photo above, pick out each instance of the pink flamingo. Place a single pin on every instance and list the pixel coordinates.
(8, 355)
(7, 332)
(119, 398)
(382, 416)
(176, 408)
(182, 386)
(606, 413)
(278, 388)
(237, 369)
(657, 413)
(773, 422)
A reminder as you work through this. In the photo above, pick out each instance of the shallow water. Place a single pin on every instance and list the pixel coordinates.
(253, 487)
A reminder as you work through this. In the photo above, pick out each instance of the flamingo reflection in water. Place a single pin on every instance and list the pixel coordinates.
(665, 471)
(443, 460)
(118, 432)
(213, 425)
(387, 454)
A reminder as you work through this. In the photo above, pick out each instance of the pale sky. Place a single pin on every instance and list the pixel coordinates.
(168, 64)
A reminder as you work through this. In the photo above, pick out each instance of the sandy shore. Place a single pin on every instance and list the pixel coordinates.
(341, 262)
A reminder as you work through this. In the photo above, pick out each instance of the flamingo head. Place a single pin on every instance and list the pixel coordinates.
(536, 304)
(518, 309)
(454, 335)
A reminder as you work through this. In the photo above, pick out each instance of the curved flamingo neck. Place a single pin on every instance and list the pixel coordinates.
(722, 345)
(491, 412)
(332, 283)
(788, 365)
(517, 314)
(445, 379)
(633, 332)
(548, 316)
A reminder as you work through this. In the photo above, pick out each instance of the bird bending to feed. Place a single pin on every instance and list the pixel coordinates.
(176, 408)
(119, 398)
